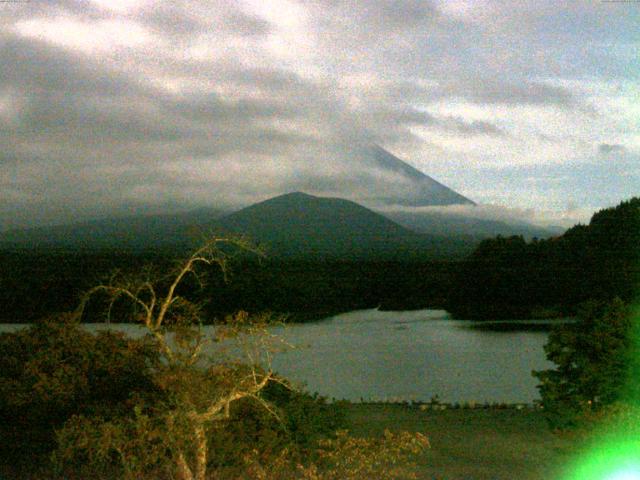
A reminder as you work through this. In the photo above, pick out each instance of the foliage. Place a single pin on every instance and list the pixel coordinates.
(143, 444)
(593, 358)
(305, 417)
(37, 284)
(56, 369)
(508, 277)
(206, 401)
(350, 458)
(300, 420)
(343, 457)
(126, 447)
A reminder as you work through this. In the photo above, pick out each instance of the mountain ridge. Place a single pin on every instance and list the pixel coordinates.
(426, 190)
(300, 225)
(293, 225)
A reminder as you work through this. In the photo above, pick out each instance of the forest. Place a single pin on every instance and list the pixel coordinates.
(511, 278)
(504, 277)
(39, 283)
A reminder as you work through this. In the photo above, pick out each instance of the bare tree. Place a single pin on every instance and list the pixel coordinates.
(203, 388)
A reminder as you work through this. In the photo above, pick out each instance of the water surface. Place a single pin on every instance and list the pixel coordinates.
(416, 355)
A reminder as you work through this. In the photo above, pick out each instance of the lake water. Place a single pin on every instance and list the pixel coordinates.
(374, 355)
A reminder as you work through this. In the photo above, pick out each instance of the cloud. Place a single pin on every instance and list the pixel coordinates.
(607, 148)
(475, 127)
(499, 91)
(501, 213)
(180, 18)
(38, 68)
(382, 16)
(104, 104)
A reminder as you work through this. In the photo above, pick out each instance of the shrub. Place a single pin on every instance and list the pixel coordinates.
(55, 369)
(144, 443)
(344, 457)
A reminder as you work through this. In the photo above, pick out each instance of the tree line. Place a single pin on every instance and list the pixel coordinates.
(34, 284)
(507, 277)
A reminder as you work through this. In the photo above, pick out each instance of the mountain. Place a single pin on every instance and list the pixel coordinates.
(394, 183)
(132, 232)
(294, 225)
(304, 226)
(412, 188)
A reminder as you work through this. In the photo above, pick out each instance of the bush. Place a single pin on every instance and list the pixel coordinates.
(297, 422)
(55, 369)
(142, 444)
(344, 457)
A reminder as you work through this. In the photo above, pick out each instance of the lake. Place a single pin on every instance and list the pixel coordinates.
(415, 355)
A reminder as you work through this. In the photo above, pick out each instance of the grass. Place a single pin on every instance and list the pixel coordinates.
(471, 444)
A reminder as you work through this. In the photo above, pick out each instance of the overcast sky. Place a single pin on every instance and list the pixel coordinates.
(132, 105)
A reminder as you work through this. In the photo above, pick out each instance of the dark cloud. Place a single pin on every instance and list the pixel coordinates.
(186, 19)
(169, 18)
(66, 101)
(38, 67)
(410, 116)
(375, 17)
(484, 90)
(477, 127)
(64, 93)
(12, 12)
(248, 25)
(607, 148)
(494, 91)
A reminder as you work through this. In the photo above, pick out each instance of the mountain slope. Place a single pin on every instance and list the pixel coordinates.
(418, 189)
(294, 225)
(302, 225)
(134, 232)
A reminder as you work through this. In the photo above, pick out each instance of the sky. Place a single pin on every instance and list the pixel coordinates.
(110, 107)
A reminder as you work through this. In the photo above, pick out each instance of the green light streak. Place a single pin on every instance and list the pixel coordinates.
(614, 450)
(618, 459)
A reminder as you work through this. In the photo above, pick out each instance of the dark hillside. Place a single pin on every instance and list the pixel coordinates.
(508, 277)
(134, 232)
(297, 225)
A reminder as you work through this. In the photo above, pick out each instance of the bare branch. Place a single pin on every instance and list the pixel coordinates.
(165, 310)
(224, 403)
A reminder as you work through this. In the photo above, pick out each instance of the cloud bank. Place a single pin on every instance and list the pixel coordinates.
(128, 106)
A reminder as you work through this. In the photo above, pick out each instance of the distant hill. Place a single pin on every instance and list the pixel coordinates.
(302, 225)
(294, 225)
(440, 223)
(133, 232)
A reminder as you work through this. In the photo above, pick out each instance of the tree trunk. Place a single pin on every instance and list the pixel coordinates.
(201, 453)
